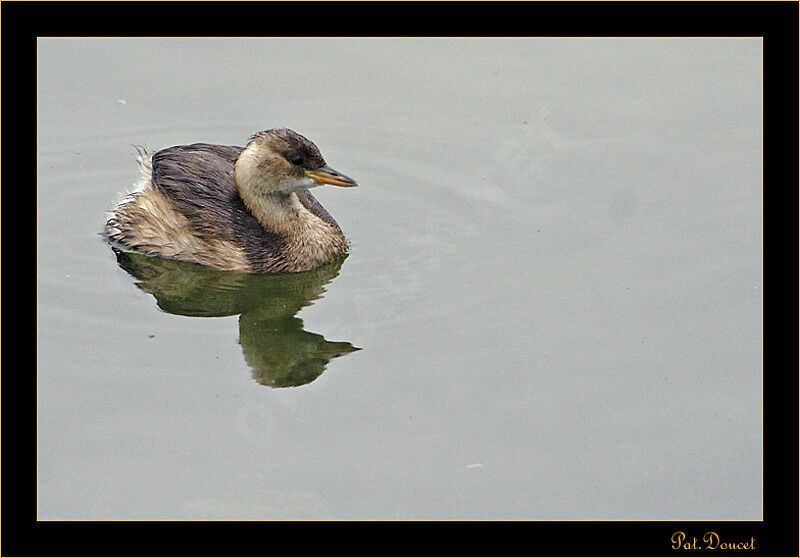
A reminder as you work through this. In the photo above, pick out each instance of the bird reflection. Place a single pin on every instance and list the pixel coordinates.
(275, 345)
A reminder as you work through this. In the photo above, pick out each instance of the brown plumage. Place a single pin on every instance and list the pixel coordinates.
(232, 208)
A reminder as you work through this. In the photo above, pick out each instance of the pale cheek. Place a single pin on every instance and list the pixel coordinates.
(295, 183)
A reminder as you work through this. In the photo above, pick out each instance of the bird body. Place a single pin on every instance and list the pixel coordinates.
(232, 208)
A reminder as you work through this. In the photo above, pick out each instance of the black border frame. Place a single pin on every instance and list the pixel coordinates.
(776, 22)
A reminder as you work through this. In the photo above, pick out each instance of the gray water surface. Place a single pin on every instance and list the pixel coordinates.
(551, 308)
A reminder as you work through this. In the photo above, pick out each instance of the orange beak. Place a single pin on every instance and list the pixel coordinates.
(327, 175)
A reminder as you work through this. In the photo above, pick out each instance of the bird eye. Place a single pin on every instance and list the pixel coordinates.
(296, 159)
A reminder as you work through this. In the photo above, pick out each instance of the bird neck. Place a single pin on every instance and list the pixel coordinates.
(277, 212)
(309, 241)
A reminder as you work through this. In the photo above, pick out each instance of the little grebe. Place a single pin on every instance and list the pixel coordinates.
(232, 208)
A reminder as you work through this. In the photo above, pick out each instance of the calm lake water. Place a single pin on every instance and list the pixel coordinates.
(551, 308)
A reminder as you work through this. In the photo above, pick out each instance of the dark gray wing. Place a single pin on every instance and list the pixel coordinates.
(198, 179)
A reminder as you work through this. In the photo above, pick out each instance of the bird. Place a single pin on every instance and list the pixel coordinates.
(232, 208)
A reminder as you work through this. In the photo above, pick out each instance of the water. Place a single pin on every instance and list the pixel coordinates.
(551, 309)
